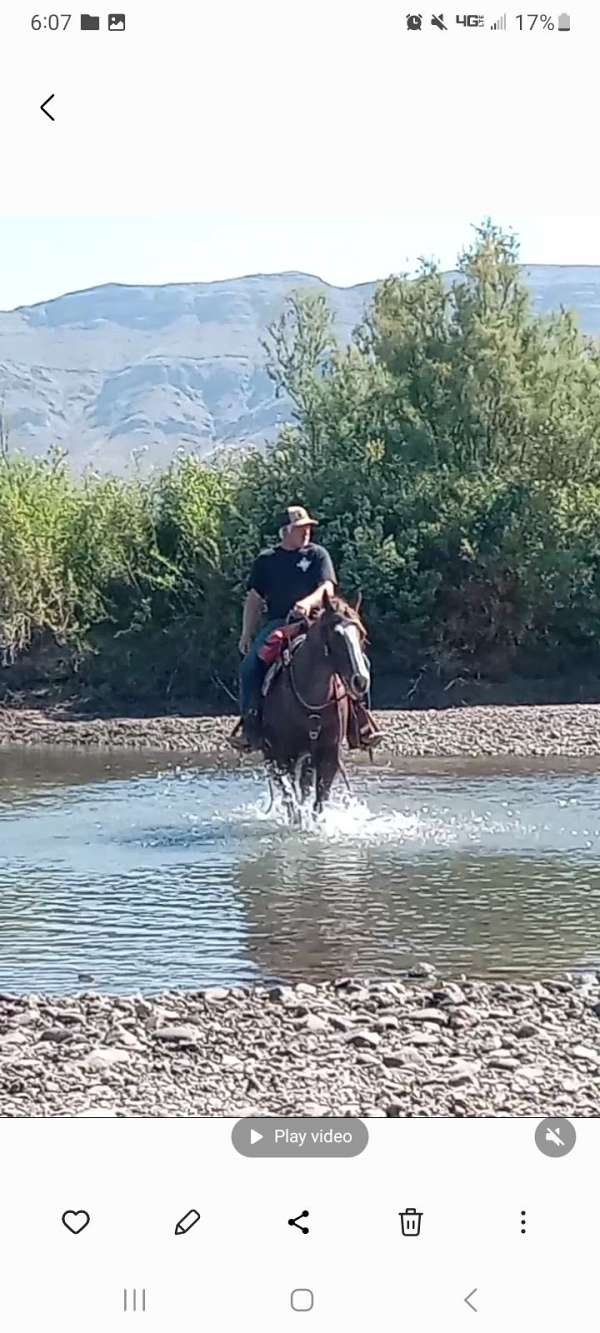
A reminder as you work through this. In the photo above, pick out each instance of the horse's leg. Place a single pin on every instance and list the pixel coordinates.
(327, 767)
(305, 777)
(283, 775)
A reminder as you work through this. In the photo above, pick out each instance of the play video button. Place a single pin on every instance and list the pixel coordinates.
(299, 1137)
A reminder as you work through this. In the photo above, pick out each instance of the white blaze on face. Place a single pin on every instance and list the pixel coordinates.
(359, 664)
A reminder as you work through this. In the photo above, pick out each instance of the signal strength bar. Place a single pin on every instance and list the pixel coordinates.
(500, 24)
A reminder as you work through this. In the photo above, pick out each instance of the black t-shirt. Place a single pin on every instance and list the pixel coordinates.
(283, 578)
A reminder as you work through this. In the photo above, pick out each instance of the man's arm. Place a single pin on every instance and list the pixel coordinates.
(253, 609)
(327, 580)
(314, 599)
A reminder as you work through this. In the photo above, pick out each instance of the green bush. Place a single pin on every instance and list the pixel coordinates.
(451, 453)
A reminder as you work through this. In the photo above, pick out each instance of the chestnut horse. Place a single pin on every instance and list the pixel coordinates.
(305, 713)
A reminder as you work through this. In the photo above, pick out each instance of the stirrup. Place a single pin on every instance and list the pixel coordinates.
(237, 738)
(370, 738)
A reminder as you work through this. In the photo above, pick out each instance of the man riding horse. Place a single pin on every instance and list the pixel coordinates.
(292, 577)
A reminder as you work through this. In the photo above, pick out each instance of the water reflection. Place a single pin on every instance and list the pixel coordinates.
(148, 876)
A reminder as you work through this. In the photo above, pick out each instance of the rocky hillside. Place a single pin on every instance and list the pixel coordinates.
(119, 372)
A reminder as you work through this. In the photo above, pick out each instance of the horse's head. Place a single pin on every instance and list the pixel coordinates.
(343, 636)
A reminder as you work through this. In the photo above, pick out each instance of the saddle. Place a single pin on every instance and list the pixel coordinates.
(287, 644)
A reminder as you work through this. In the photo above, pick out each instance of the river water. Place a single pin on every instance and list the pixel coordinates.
(134, 872)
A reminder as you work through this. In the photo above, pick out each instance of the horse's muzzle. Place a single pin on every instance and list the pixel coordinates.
(359, 684)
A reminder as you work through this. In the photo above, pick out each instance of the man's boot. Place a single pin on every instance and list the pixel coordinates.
(362, 731)
(247, 734)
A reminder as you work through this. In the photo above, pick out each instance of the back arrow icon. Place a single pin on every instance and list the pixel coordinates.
(468, 1300)
(44, 105)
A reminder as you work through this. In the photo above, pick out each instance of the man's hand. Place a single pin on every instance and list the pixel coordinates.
(245, 644)
(307, 605)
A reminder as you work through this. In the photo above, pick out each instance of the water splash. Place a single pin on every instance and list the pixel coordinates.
(351, 820)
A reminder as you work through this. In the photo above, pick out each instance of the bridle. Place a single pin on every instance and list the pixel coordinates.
(329, 703)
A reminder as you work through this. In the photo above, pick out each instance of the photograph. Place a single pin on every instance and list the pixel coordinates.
(300, 674)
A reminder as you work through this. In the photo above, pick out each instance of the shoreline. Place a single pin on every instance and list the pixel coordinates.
(527, 731)
(407, 1047)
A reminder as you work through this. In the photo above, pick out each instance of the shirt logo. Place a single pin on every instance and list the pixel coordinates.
(304, 564)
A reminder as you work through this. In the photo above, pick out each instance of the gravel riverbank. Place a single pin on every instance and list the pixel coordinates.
(351, 1047)
(570, 730)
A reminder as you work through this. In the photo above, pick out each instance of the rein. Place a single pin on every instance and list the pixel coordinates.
(314, 708)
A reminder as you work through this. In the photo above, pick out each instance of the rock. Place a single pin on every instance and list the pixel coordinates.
(104, 1058)
(449, 994)
(462, 1071)
(530, 1074)
(491, 1043)
(400, 1059)
(387, 1024)
(341, 1022)
(354, 1049)
(424, 970)
(215, 994)
(428, 1016)
(586, 1053)
(314, 1024)
(280, 994)
(184, 1034)
(362, 1038)
(14, 1038)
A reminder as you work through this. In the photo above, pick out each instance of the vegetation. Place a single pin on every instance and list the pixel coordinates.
(451, 451)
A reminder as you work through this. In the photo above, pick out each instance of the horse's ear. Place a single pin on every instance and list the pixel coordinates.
(326, 603)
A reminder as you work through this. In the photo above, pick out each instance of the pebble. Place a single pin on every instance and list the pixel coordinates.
(429, 1016)
(104, 1058)
(526, 730)
(363, 1038)
(353, 1047)
(179, 1034)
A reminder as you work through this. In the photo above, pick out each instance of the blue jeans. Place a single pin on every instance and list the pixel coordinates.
(252, 670)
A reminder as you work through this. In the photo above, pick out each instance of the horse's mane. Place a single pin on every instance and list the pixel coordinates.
(338, 606)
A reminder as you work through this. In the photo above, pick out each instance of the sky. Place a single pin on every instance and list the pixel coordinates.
(215, 141)
(46, 257)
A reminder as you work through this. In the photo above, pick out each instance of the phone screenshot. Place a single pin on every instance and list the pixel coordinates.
(299, 668)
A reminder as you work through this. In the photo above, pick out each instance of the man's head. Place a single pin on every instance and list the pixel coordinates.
(295, 527)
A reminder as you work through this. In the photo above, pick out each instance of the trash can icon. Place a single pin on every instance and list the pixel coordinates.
(411, 1222)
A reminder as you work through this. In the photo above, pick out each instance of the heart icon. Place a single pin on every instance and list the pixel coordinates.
(75, 1222)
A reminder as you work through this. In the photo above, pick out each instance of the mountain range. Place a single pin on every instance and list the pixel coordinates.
(121, 373)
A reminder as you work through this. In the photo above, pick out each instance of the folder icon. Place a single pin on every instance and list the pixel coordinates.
(90, 23)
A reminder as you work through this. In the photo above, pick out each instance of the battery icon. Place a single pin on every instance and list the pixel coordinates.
(564, 23)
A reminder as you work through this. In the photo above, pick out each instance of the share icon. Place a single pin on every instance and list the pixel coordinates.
(293, 1222)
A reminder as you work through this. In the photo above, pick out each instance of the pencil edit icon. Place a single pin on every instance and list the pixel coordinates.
(186, 1222)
